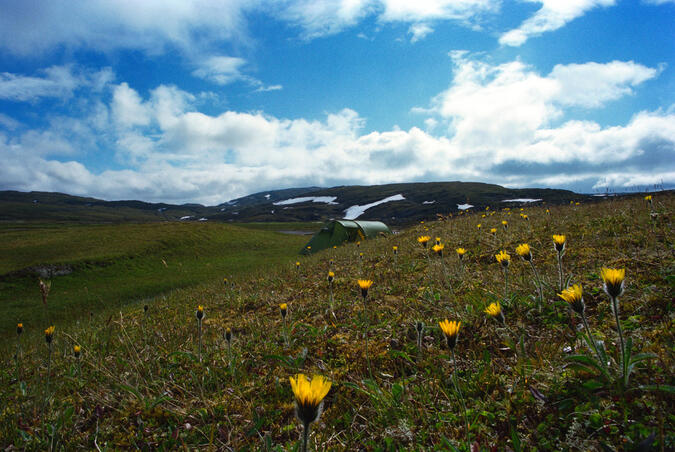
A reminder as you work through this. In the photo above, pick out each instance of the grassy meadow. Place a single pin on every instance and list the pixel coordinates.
(150, 380)
(111, 265)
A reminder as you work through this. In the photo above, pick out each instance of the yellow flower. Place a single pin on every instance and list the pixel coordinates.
(364, 284)
(478, 225)
(574, 296)
(525, 217)
(331, 276)
(438, 249)
(503, 258)
(495, 310)
(358, 244)
(19, 328)
(49, 334)
(548, 212)
(423, 239)
(451, 331)
(309, 396)
(614, 280)
(559, 242)
(395, 248)
(228, 334)
(76, 351)
(493, 230)
(648, 198)
(523, 250)
(438, 240)
(200, 312)
(505, 223)
(460, 252)
(297, 264)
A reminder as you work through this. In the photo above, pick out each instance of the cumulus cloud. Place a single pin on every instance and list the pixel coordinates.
(325, 17)
(500, 107)
(419, 31)
(503, 123)
(421, 10)
(552, 15)
(29, 27)
(220, 69)
(197, 27)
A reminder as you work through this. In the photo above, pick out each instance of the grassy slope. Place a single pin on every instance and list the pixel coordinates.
(117, 264)
(141, 384)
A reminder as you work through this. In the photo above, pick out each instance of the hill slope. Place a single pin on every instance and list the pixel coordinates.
(140, 382)
(59, 207)
(420, 201)
(393, 203)
(96, 268)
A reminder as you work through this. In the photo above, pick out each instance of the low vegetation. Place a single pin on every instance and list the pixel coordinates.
(103, 267)
(520, 372)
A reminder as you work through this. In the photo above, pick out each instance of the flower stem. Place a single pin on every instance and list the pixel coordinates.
(560, 271)
(615, 308)
(506, 283)
(539, 289)
(305, 437)
(460, 396)
(592, 340)
(365, 334)
(199, 328)
(49, 367)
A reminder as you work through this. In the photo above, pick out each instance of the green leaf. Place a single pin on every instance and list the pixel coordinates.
(641, 357)
(132, 390)
(665, 388)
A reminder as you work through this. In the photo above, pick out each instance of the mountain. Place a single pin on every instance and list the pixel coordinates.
(407, 202)
(392, 203)
(60, 207)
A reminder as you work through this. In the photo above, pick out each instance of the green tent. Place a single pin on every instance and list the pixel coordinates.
(336, 232)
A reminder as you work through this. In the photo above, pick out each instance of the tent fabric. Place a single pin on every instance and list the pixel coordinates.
(336, 232)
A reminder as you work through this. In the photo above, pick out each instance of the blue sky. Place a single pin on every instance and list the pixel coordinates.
(204, 101)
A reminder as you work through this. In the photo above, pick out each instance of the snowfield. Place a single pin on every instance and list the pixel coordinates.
(324, 199)
(354, 212)
(521, 200)
(464, 206)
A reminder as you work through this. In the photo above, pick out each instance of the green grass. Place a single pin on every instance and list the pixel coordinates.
(308, 227)
(140, 384)
(115, 264)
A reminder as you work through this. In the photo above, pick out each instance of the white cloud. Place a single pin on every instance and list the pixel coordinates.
(325, 17)
(58, 81)
(197, 27)
(54, 81)
(8, 122)
(419, 31)
(127, 107)
(552, 15)
(502, 123)
(658, 2)
(421, 10)
(593, 84)
(501, 107)
(28, 28)
(220, 69)
(263, 89)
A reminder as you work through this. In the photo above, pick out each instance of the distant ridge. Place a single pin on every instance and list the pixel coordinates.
(409, 202)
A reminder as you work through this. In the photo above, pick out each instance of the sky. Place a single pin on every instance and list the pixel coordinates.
(205, 101)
